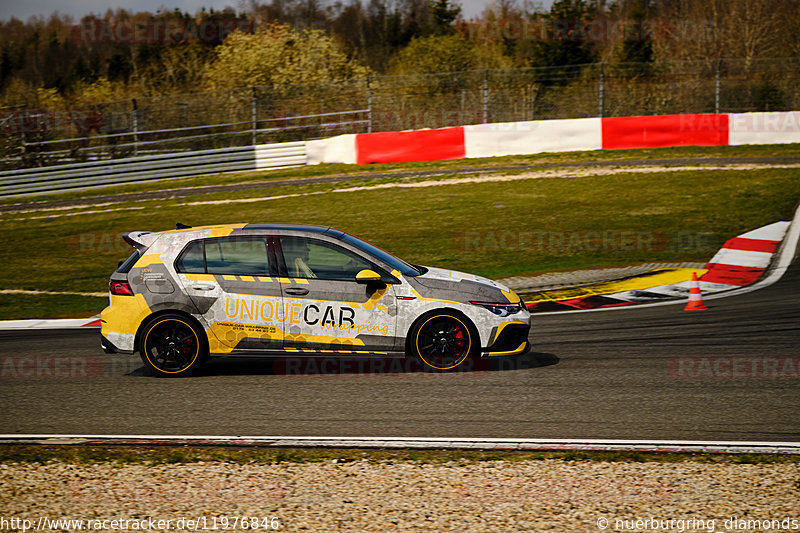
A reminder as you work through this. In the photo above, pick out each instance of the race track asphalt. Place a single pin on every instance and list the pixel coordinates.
(730, 373)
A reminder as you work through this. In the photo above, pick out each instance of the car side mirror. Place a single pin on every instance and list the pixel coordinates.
(368, 276)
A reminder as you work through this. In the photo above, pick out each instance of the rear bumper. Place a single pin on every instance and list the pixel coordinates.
(109, 347)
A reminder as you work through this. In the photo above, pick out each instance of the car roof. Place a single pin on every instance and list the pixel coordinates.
(327, 230)
(297, 227)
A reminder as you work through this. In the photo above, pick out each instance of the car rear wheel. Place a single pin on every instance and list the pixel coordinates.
(171, 346)
(443, 341)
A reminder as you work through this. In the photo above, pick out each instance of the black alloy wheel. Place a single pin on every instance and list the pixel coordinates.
(171, 346)
(443, 341)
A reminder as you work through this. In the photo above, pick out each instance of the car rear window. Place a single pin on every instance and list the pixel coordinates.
(127, 265)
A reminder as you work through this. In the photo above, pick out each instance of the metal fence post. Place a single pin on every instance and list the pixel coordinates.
(369, 105)
(601, 92)
(716, 89)
(135, 120)
(486, 96)
(253, 116)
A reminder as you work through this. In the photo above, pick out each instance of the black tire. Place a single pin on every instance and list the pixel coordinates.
(172, 346)
(443, 341)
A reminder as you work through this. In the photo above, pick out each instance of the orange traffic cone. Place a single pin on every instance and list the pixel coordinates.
(695, 296)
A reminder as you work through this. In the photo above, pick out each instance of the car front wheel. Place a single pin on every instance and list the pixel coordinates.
(171, 346)
(443, 341)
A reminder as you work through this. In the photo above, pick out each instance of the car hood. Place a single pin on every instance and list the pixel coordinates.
(469, 286)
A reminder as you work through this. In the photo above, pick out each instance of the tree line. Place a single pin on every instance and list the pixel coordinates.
(57, 62)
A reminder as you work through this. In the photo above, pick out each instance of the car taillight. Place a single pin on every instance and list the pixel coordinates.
(121, 288)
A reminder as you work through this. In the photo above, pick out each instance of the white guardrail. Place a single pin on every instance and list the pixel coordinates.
(454, 443)
(153, 167)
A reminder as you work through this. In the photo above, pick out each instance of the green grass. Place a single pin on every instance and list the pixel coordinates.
(21, 306)
(492, 229)
(453, 226)
(336, 169)
(191, 454)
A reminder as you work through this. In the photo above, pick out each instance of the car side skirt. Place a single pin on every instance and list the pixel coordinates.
(309, 352)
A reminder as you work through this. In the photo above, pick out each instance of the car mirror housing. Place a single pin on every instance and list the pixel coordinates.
(368, 276)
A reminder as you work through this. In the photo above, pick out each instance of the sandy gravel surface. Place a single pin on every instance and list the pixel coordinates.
(547, 495)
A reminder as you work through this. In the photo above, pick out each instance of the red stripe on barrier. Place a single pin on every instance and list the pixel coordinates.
(589, 302)
(592, 302)
(665, 130)
(751, 245)
(405, 146)
(618, 304)
(577, 303)
(92, 324)
(731, 274)
(547, 306)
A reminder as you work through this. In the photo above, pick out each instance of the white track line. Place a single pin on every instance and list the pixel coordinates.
(679, 446)
(407, 182)
(53, 323)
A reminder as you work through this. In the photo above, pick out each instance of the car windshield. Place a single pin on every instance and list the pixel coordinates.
(395, 262)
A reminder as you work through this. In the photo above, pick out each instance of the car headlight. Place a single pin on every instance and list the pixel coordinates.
(501, 309)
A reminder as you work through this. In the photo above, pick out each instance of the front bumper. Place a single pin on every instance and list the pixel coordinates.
(511, 340)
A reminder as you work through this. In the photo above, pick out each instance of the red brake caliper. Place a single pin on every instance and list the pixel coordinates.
(459, 336)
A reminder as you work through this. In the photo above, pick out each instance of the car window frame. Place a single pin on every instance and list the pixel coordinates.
(277, 250)
(269, 256)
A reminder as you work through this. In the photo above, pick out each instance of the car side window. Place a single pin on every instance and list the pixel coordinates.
(191, 261)
(238, 255)
(308, 258)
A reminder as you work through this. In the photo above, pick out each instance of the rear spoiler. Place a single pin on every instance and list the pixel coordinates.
(141, 240)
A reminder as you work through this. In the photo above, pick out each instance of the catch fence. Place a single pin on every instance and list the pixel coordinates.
(273, 114)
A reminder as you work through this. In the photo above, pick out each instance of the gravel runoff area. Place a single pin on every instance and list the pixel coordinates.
(535, 495)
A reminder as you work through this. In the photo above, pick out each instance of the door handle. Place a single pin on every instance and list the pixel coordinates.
(199, 287)
(297, 291)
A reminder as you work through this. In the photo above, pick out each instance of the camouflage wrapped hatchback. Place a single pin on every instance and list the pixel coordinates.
(278, 290)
